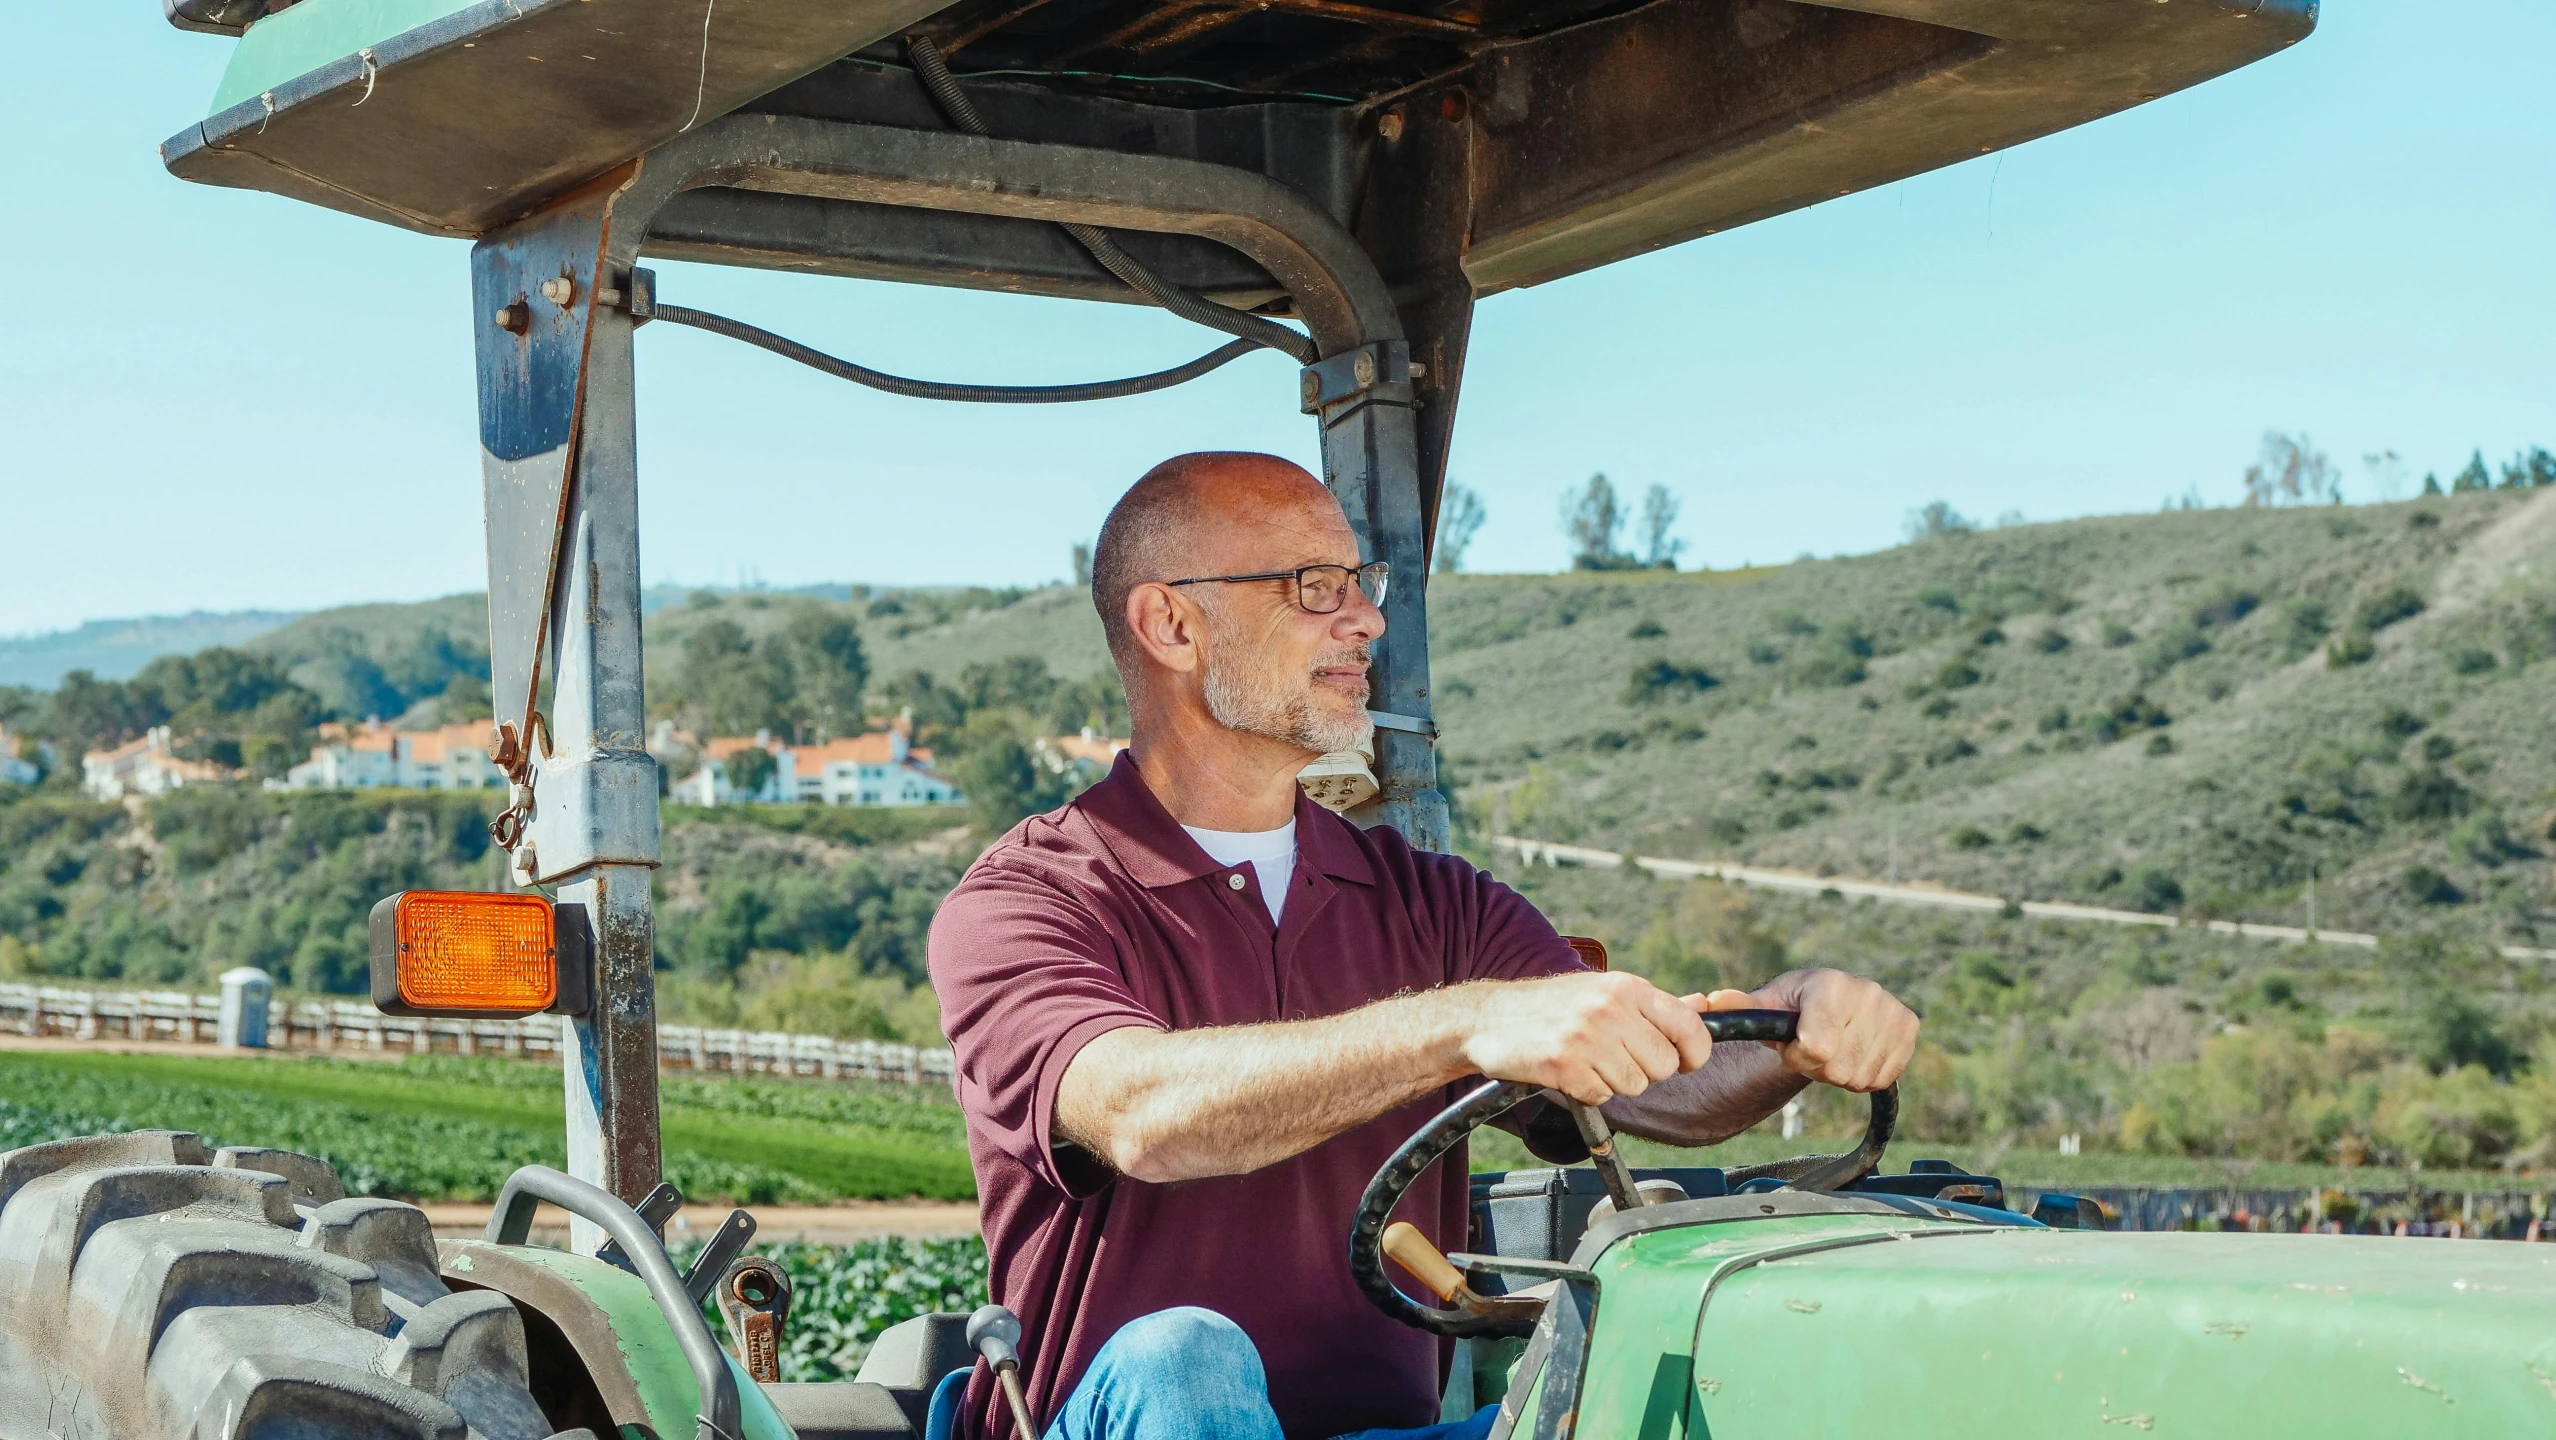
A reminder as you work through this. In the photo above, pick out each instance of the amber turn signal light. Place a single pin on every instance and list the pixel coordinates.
(470, 955)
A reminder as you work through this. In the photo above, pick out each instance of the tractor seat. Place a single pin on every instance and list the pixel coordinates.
(891, 1398)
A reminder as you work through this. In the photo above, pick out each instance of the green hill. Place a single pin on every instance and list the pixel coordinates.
(2185, 712)
(2192, 713)
(115, 649)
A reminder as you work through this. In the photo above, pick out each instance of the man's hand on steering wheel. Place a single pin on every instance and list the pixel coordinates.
(1591, 1036)
(1853, 1034)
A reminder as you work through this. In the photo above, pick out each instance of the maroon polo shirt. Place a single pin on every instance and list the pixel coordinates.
(1103, 915)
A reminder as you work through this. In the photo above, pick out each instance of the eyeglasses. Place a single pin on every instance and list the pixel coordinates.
(1320, 589)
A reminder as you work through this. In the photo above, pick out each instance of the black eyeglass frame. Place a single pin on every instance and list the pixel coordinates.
(1357, 577)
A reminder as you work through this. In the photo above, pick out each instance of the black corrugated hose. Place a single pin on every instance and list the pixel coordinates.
(939, 390)
(1252, 331)
(961, 113)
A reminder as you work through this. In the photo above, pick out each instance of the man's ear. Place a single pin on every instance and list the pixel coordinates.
(1162, 627)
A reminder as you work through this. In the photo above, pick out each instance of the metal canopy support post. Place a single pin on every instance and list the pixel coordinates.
(560, 447)
(1371, 461)
(1415, 220)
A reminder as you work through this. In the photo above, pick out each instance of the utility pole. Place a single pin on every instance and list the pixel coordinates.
(2311, 897)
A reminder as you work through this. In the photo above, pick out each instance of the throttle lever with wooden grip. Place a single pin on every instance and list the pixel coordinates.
(1407, 1247)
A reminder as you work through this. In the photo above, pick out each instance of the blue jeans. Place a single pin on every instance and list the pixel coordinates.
(1192, 1374)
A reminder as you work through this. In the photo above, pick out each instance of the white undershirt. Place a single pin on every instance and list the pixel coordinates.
(1271, 854)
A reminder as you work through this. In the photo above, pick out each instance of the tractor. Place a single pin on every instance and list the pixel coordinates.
(1340, 180)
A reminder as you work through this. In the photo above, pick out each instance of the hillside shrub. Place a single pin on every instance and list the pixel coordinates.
(2529, 630)
(1653, 681)
(2153, 889)
(2449, 1030)
(2352, 647)
(2160, 744)
(1793, 817)
(1957, 748)
(1970, 837)
(2399, 723)
(1956, 673)
(2303, 625)
(2487, 840)
(2395, 603)
(2050, 641)
(1837, 657)
(2225, 606)
(2127, 716)
(1646, 630)
(2472, 660)
(2172, 646)
(2429, 794)
(2425, 885)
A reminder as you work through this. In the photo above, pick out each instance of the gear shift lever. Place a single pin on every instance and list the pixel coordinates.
(995, 1333)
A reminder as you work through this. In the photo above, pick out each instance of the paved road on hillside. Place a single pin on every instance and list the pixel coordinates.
(1804, 882)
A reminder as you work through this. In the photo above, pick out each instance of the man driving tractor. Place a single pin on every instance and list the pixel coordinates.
(1193, 1011)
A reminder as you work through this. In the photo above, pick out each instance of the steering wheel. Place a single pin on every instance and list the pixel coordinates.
(1449, 1128)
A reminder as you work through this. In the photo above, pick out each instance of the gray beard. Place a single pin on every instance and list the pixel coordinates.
(1246, 697)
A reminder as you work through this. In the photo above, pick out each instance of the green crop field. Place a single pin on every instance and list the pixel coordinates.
(444, 1128)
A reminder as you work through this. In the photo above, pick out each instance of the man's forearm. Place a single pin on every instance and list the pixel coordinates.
(1183, 1105)
(1741, 1085)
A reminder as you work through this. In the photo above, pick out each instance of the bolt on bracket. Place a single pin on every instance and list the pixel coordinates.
(1380, 371)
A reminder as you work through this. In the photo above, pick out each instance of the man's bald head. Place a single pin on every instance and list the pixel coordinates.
(1170, 523)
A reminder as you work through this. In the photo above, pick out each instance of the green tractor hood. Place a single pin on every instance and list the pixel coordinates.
(1727, 1321)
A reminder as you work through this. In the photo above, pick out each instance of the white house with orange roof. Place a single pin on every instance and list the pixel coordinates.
(146, 767)
(879, 768)
(375, 756)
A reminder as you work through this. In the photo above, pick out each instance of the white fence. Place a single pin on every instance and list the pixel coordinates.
(176, 1016)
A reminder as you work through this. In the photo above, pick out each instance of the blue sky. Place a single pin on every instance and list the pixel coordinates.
(217, 399)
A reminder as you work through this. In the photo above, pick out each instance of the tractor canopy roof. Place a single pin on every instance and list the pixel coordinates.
(1570, 133)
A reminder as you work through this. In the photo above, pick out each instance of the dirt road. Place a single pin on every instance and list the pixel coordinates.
(822, 1224)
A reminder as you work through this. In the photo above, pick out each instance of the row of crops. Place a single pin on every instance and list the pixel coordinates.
(452, 1128)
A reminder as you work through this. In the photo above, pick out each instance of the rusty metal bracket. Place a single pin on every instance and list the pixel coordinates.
(533, 291)
(754, 1298)
(1378, 372)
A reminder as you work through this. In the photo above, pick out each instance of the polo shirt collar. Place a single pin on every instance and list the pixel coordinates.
(1156, 852)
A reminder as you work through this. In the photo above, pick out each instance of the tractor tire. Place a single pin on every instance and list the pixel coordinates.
(151, 1289)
